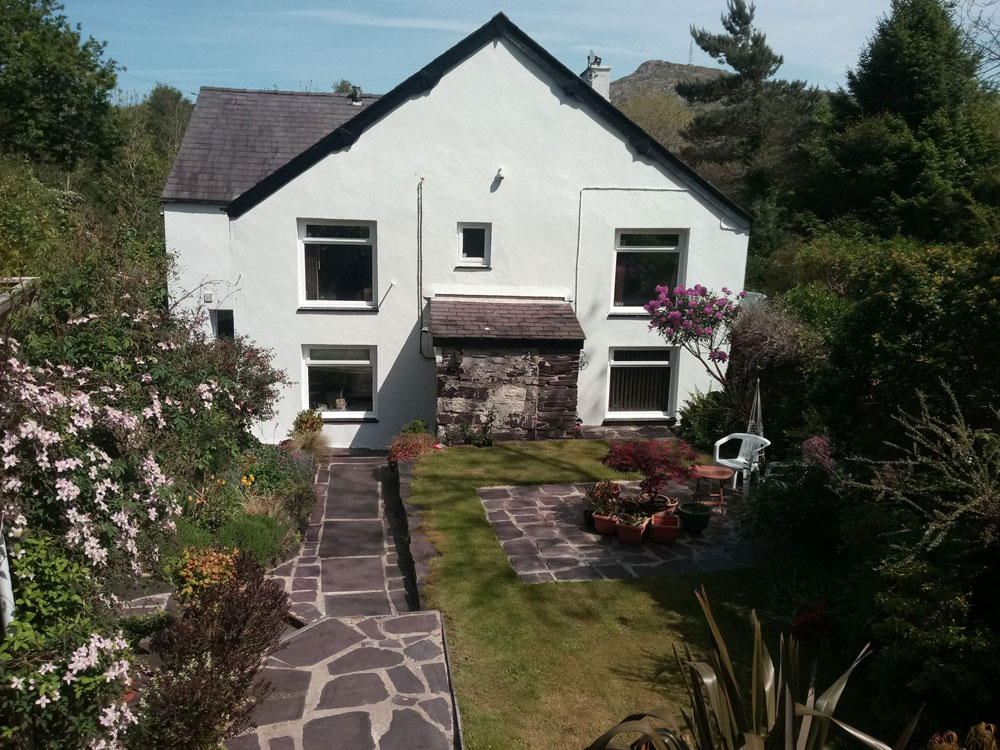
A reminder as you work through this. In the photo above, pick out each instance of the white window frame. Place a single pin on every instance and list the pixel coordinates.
(486, 260)
(680, 250)
(372, 241)
(670, 364)
(338, 416)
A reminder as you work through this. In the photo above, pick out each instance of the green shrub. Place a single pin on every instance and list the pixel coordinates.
(307, 420)
(265, 538)
(706, 417)
(797, 509)
(416, 427)
(280, 472)
(189, 536)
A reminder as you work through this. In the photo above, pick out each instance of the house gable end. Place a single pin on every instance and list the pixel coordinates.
(499, 27)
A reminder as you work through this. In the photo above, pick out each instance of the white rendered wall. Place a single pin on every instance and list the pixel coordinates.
(494, 110)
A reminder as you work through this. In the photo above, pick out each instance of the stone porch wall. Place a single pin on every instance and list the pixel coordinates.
(532, 390)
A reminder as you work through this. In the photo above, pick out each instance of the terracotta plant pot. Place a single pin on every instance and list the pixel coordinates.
(605, 525)
(628, 534)
(665, 528)
(695, 517)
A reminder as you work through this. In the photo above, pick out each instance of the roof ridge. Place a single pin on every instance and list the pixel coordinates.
(286, 92)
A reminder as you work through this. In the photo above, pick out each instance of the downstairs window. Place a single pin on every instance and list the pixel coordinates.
(640, 383)
(340, 381)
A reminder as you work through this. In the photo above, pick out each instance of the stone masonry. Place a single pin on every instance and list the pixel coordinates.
(532, 389)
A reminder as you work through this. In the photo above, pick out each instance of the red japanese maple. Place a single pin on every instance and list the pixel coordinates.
(659, 461)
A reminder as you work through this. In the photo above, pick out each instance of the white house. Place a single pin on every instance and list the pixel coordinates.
(481, 237)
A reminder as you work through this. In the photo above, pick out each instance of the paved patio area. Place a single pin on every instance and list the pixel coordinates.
(541, 530)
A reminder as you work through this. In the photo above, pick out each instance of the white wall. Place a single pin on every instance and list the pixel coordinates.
(494, 110)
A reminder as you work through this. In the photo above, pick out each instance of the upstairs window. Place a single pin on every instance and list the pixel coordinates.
(474, 244)
(339, 263)
(222, 324)
(644, 260)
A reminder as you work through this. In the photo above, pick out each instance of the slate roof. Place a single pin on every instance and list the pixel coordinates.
(514, 319)
(237, 137)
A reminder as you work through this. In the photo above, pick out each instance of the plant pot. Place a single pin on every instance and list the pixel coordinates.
(631, 534)
(588, 519)
(629, 505)
(663, 505)
(695, 517)
(665, 528)
(605, 525)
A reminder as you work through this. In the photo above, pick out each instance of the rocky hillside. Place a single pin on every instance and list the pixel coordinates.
(658, 75)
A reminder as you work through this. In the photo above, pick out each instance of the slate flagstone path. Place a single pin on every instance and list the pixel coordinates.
(365, 673)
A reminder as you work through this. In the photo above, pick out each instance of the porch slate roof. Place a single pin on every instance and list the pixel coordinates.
(237, 137)
(511, 319)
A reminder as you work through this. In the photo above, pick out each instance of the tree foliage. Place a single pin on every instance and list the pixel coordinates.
(55, 86)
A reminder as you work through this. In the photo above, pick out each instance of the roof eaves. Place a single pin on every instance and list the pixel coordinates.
(428, 76)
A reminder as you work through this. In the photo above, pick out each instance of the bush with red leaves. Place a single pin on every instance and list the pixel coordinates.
(659, 461)
(205, 691)
(409, 445)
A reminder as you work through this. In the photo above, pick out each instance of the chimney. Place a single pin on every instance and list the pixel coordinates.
(597, 76)
(355, 94)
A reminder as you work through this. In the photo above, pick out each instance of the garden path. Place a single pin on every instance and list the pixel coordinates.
(365, 672)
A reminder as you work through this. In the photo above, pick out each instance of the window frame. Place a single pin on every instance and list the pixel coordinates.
(327, 364)
(680, 250)
(487, 260)
(371, 241)
(670, 364)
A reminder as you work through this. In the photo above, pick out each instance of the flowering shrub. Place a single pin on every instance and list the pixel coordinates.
(409, 445)
(817, 451)
(697, 320)
(202, 569)
(205, 690)
(63, 669)
(307, 420)
(658, 461)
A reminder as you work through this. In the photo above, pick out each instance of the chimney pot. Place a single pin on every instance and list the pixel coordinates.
(597, 75)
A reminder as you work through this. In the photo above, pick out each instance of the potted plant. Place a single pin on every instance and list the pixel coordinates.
(659, 462)
(631, 528)
(694, 516)
(602, 499)
(665, 527)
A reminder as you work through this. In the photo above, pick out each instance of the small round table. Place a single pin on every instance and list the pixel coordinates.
(721, 474)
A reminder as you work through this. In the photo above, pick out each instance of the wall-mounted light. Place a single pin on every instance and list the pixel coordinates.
(500, 174)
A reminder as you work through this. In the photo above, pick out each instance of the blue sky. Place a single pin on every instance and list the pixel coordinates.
(310, 44)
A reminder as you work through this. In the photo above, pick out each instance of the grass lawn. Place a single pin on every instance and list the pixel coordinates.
(554, 665)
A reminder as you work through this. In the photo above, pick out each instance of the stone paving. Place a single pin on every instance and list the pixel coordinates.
(541, 530)
(363, 683)
(366, 673)
(349, 563)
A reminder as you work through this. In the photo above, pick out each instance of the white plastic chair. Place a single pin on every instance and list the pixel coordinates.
(748, 459)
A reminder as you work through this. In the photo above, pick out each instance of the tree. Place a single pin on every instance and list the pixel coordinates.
(915, 147)
(661, 115)
(981, 21)
(753, 123)
(343, 86)
(54, 86)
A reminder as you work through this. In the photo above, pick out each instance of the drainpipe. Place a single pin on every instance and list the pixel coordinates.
(424, 331)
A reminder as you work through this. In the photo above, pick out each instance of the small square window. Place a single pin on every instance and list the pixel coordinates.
(474, 244)
(222, 324)
(644, 259)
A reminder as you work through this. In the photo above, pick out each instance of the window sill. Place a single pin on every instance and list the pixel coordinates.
(473, 267)
(330, 418)
(628, 312)
(306, 308)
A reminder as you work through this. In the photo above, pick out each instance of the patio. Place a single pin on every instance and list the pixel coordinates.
(541, 529)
